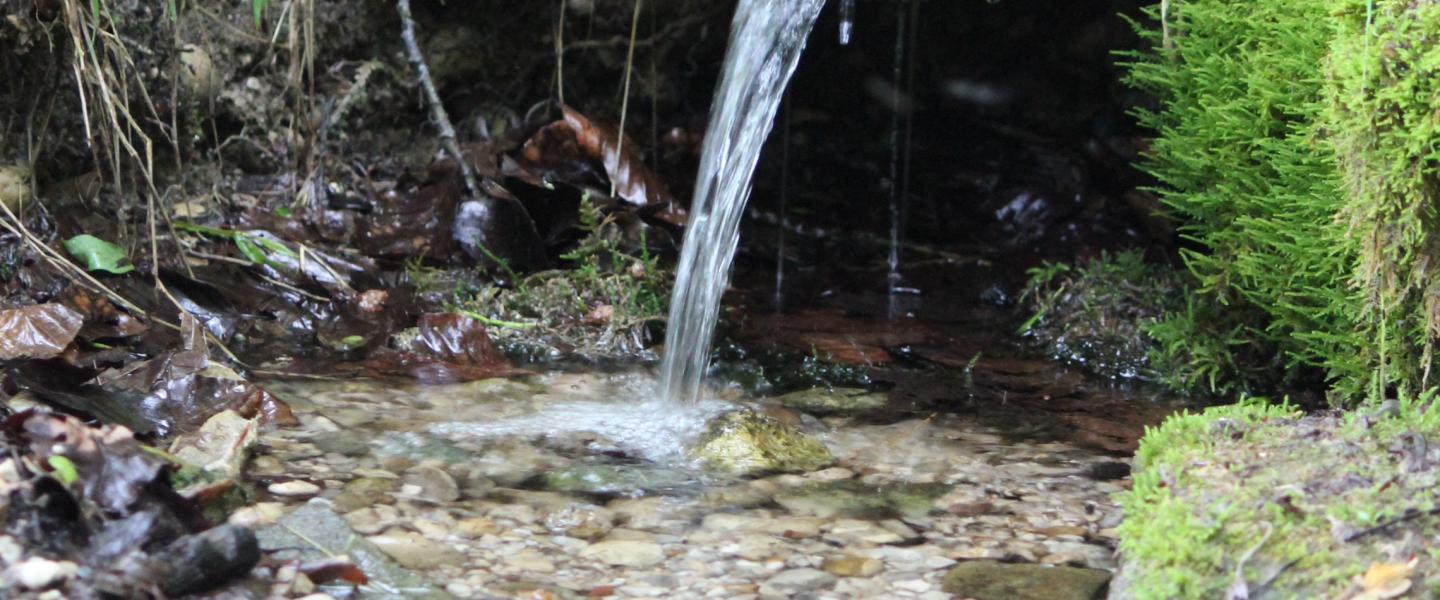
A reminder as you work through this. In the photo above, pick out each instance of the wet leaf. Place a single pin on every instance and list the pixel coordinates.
(97, 254)
(110, 467)
(448, 348)
(37, 331)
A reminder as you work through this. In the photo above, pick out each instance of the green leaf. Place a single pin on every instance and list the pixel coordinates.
(258, 7)
(64, 469)
(251, 251)
(97, 254)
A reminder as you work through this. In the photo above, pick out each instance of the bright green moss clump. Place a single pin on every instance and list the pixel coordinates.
(1298, 143)
(1244, 169)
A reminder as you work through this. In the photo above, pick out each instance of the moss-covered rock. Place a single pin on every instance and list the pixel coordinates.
(859, 500)
(827, 401)
(991, 580)
(1288, 505)
(745, 442)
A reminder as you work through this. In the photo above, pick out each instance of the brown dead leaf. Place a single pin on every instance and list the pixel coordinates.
(37, 331)
(449, 348)
(553, 147)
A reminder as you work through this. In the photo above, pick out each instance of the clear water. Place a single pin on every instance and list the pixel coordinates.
(623, 410)
(766, 38)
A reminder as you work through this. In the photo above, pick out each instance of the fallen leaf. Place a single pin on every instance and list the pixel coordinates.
(1385, 580)
(37, 331)
(98, 255)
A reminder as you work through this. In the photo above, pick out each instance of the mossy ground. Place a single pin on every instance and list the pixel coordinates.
(1096, 314)
(1284, 504)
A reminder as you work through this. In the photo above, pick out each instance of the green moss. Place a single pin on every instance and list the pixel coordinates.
(1384, 93)
(1259, 480)
(1242, 165)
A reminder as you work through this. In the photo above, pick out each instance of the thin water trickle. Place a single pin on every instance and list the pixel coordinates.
(847, 21)
(766, 38)
(784, 197)
(899, 155)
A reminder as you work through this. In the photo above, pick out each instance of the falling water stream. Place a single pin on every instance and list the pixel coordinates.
(766, 38)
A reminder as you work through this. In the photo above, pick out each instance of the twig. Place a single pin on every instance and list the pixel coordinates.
(625, 95)
(437, 110)
(1409, 515)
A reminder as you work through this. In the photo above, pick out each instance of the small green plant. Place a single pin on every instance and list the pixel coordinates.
(605, 304)
(1098, 314)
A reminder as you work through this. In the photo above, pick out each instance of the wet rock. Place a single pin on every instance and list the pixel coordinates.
(612, 480)
(412, 550)
(220, 446)
(315, 532)
(786, 526)
(341, 442)
(36, 573)
(830, 401)
(854, 532)
(530, 560)
(795, 581)
(990, 580)
(851, 566)
(745, 442)
(435, 485)
(205, 560)
(475, 527)
(856, 499)
(580, 521)
(293, 488)
(625, 553)
(498, 228)
(363, 492)
(257, 515)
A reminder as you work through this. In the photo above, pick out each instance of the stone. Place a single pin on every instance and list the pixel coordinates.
(854, 532)
(795, 581)
(580, 521)
(15, 186)
(294, 487)
(851, 566)
(612, 480)
(435, 484)
(991, 580)
(747, 443)
(625, 553)
(412, 550)
(203, 561)
(342, 442)
(36, 573)
(833, 401)
(530, 560)
(786, 526)
(257, 515)
(315, 532)
(475, 527)
(856, 499)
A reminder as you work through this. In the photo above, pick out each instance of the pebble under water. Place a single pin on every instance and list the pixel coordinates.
(572, 485)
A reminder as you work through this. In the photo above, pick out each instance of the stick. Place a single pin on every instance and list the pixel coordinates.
(437, 110)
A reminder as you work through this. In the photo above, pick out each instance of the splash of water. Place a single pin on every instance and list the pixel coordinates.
(766, 38)
(648, 428)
